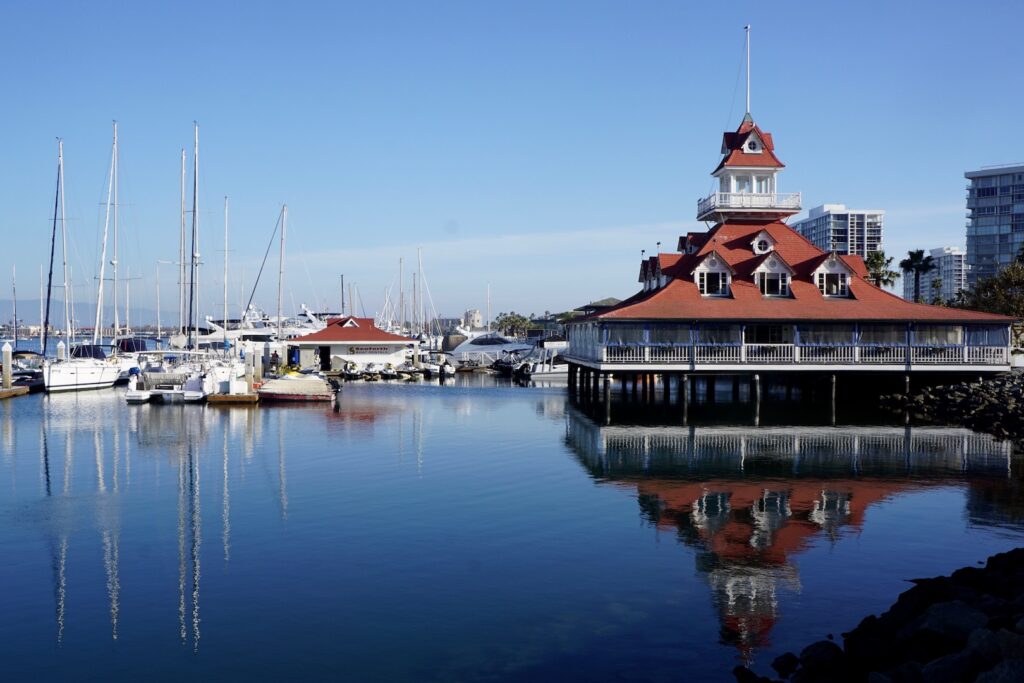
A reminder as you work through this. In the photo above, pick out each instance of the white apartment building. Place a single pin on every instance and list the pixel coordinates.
(833, 227)
(950, 266)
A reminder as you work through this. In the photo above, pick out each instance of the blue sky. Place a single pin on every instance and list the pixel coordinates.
(537, 147)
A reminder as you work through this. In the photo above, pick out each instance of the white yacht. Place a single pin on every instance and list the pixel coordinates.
(487, 348)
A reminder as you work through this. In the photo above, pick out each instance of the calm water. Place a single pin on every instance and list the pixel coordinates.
(461, 533)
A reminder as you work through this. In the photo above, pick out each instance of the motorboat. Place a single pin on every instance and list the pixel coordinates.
(297, 388)
(27, 370)
(488, 348)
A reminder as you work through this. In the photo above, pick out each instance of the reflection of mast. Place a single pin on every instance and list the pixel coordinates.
(227, 502)
(280, 466)
(196, 540)
(181, 550)
(111, 539)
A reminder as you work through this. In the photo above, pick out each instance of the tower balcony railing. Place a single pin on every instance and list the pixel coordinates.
(728, 201)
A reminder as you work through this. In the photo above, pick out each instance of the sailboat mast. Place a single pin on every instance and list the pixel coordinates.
(127, 304)
(224, 322)
(192, 304)
(401, 294)
(280, 270)
(195, 228)
(181, 252)
(342, 296)
(14, 296)
(422, 310)
(113, 263)
(96, 333)
(64, 240)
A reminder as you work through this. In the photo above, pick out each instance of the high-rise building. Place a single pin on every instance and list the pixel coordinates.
(950, 267)
(995, 219)
(833, 227)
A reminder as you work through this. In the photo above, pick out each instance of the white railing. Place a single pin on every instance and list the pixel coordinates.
(624, 354)
(986, 355)
(748, 200)
(718, 354)
(769, 353)
(783, 354)
(670, 354)
(937, 355)
(840, 355)
(883, 355)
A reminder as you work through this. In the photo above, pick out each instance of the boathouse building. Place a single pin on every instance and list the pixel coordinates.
(752, 295)
(352, 339)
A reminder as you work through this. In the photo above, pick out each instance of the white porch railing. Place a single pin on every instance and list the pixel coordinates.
(706, 353)
(782, 354)
(748, 200)
(769, 353)
(670, 354)
(986, 355)
(840, 355)
(937, 355)
(883, 355)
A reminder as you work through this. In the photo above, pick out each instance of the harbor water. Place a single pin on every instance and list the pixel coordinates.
(475, 531)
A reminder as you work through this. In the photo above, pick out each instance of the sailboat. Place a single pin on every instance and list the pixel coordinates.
(86, 366)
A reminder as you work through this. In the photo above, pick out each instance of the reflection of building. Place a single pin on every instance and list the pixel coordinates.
(749, 501)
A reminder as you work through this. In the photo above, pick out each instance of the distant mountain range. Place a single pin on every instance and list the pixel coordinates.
(84, 313)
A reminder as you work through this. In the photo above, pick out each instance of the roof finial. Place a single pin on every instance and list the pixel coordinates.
(747, 30)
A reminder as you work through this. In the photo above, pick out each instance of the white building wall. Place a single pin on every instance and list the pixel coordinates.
(951, 266)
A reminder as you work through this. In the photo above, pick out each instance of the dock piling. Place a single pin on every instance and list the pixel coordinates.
(8, 366)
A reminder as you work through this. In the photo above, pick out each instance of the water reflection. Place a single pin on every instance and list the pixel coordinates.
(751, 500)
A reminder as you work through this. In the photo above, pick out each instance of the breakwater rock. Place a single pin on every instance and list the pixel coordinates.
(994, 406)
(968, 626)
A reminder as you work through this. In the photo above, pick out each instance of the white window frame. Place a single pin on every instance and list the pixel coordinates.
(783, 278)
(842, 288)
(725, 282)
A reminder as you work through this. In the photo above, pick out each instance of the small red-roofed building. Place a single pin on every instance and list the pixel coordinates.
(355, 340)
(752, 294)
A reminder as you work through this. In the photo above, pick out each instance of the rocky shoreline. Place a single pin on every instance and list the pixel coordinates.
(968, 626)
(993, 406)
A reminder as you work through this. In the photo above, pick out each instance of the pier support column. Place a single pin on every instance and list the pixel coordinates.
(735, 388)
(757, 400)
(61, 348)
(249, 373)
(906, 384)
(833, 380)
(684, 396)
(709, 383)
(608, 398)
(7, 366)
(666, 381)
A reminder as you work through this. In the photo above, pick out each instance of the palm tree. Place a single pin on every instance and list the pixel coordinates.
(879, 269)
(918, 264)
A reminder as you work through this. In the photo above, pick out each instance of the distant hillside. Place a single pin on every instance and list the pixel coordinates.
(84, 313)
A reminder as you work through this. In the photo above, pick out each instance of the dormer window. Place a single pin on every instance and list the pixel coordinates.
(762, 246)
(713, 284)
(774, 284)
(762, 243)
(752, 146)
(834, 284)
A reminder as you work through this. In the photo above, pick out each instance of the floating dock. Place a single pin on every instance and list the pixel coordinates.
(12, 392)
(233, 399)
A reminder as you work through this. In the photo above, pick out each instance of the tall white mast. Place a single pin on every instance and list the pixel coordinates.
(127, 303)
(14, 296)
(159, 332)
(181, 252)
(280, 271)
(224, 322)
(401, 294)
(747, 30)
(113, 263)
(64, 240)
(103, 253)
(422, 311)
(488, 306)
(195, 225)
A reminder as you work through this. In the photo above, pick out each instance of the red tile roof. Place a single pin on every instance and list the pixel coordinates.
(680, 299)
(735, 153)
(364, 331)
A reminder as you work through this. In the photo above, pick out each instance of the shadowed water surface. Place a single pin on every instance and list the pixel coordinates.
(464, 532)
